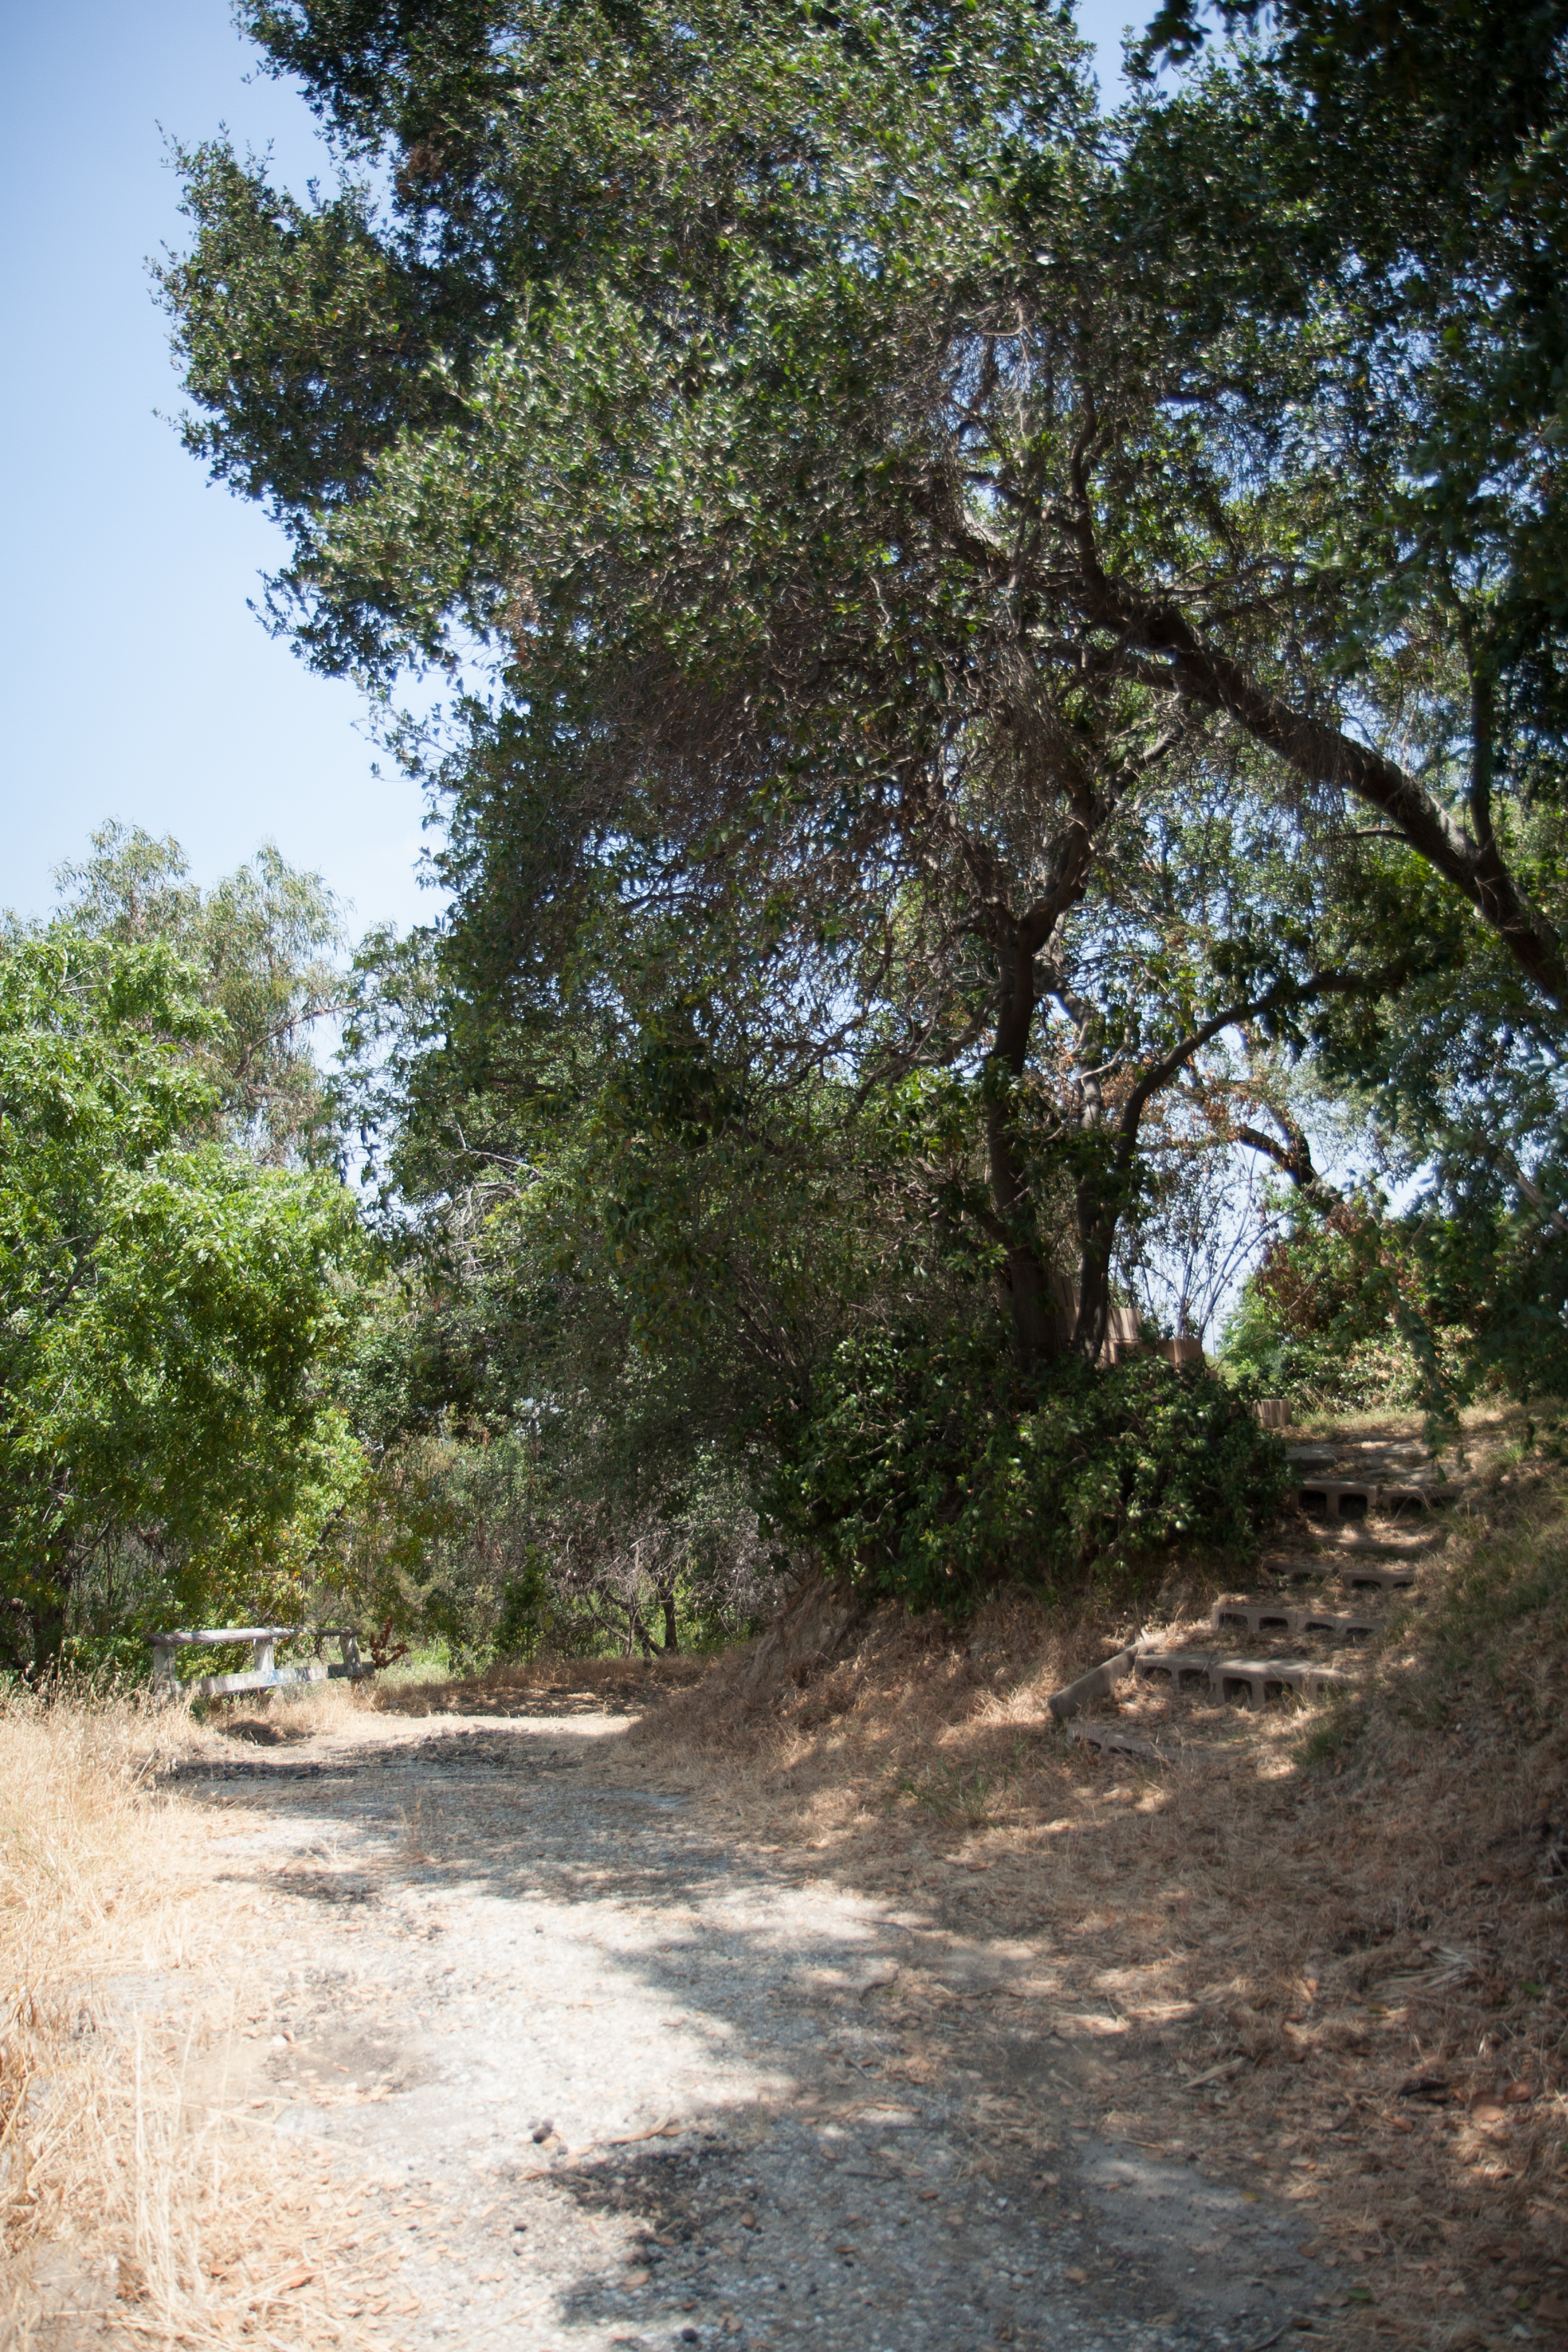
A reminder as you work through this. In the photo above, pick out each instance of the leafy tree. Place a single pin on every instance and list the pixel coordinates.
(1350, 1306)
(613, 1312)
(994, 630)
(262, 939)
(1292, 470)
(169, 1310)
(1391, 180)
(772, 472)
(1404, 167)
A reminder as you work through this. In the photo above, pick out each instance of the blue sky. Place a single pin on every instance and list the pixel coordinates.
(134, 680)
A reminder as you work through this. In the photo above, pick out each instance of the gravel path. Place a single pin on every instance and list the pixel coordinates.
(604, 2075)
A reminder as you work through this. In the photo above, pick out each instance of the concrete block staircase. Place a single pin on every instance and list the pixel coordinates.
(1366, 1480)
(1358, 1501)
(1254, 1681)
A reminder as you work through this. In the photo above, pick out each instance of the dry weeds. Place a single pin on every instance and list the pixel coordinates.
(599, 1686)
(132, 2210)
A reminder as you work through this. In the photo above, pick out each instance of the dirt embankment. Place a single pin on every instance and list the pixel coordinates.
(1326, 1943)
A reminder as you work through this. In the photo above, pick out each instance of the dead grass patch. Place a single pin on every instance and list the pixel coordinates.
(130, 2210)
(285, 1717)
(547, 1684)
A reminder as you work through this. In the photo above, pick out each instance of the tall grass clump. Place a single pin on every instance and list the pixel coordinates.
(120, 2196)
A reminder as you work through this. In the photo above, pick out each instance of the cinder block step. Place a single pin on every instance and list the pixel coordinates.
(1254, 1680)
(1336, 1499)
(1298, 1567)
(1271, 1617)
(1394, 1496)
(1357, 1575)
(1354, 1535)
(1356, 1498)
(1100, 1682)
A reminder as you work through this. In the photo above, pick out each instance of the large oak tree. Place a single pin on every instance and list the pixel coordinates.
(897, 514)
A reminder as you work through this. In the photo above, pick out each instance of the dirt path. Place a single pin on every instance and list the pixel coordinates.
(599, 2074)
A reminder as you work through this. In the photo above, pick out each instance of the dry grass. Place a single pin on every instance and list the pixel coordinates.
(560, 1684)
(132, 2210)
(276, 1718)
(1321, 1949)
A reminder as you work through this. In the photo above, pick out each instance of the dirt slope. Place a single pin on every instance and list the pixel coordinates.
(1326, 1944)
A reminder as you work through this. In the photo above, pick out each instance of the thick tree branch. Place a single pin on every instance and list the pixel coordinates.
(1159, 647)
(1322, 752)
(1285, 996)
(1102, 1193)
(1292, 1160)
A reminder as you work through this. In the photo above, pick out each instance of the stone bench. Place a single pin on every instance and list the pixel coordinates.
(350, 1667)
(265, 1673)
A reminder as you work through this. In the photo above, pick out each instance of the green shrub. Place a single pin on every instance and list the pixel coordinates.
(1336, 1313)
(525, 1609)
(1356, 1310)
(120, 1660)
(934, 1469)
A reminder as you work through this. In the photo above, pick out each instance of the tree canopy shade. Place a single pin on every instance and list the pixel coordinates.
(954, 576)
(1391, 180)
(169, 1310)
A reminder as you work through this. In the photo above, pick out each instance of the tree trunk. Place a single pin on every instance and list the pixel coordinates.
(1036, 1316)
(48, 1632)
(1097, 1223)
(672, 1639)
(50, 1612)
(15, 1636)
